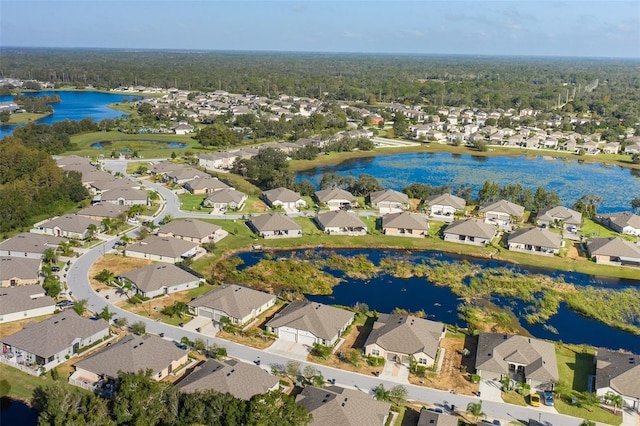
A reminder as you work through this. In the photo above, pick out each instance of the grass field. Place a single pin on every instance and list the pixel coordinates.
(23, 384)
(190, 202)
(25, 117)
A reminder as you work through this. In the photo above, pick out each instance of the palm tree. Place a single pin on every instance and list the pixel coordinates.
(135, 210)
(475, 409)
(380, 393)
(107, 223)
(106, 315)
(614, 400)
(80, 306)
(92, 229)
(127, 286)
(49, 256)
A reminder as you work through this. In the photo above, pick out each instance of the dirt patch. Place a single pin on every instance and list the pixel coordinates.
(573, 252)
(115, 264)
(455, 371)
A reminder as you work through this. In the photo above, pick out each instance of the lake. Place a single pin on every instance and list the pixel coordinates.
(385, 292)
(17, 413)
(75, 106)
(569, 178)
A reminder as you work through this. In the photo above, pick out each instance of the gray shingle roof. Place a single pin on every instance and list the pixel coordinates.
(126, 193)
(406, 334)
(70, 223)
(236, 300)
(405, 220)
(53, 335)
(568, 216)
(623, 219)
(131, 354)
(192, 228)
(30, 243)
(338, 406)
(446, 200)
(536, 237)
(389, 195)
(612, 246)
(162, 246)
(281, 194)
(103, 210)
(206, 183)
(619, 371)
(430, 418)
(19, 267)
(471, 228)
(23, 298)
(321, 320)
(340, 218)
(228, 195)
(496, 351)
(237, 378)
(158, 275)
(503, 206)
(274, 222)
(326, 195)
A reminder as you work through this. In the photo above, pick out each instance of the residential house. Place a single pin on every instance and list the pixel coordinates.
(17, 271)
(193, 230)
(182, 128)
(102, 211)
(240, 379)
(282, 197)
(217, 160)
(100, 186)
(94, 175)
(185, 174)
(130, 354)
(405, 339)
(225, 199)
(162, 249)
(433, 418)
(613, 251)
(46, 344)
(535, 241)
(309, 323)
(633, 148)
(444, 207)
(611, 148)
(389, 201)
(125, 197)
(29, 245)
(273, 225)
(20, 303)
(590, 147)
(470, 231)
(405, 224)
(338, 406)
(340, 222)
(335, 198)
(560, 216)
(68, 226)
(618, 372)
(502, 213)
(570, 146)
(523, 359)
(164, 167)
(238, 303)
(625, 223)
(205, 185)
(160, 278)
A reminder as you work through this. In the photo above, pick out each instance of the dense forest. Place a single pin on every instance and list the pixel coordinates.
(481, 82)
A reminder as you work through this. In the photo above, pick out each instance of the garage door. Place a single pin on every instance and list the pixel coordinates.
(306, 340)
(287, 335)
(205, 313)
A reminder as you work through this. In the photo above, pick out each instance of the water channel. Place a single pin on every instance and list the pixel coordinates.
(385, 292)
(569, 178)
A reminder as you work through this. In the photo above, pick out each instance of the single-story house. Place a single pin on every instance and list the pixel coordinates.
(444, 207)
(405, 224)
(611, 148)
(433, 418)
(19, 303)
(335, 198)
(389, 201)
(633, 148)
(125, 197)
(338, 406)
(273, 225)
(100, 186)
(341, 222)
(205, 185)
(470, 231)
(568, 219)
(193, 230)
(613, 251)
(625, 223)
(618, 372)
(160, 278)
(47, 344)
(283, 197)
(502, 213)
(240, 379)
(68, 226)
(226, 199)
(131, 354)
(72, 160)
(164, 167)
(217, 160)
(238, 303)
(28, 245)
(182, 128)
(94, 175)
(185, 174)
(308, 323)
(405, 338)
(103, 211)
(523, 359)
(162, 249)
(15, 271)
(535, 241)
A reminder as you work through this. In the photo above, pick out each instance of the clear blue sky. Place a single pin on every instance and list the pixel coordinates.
(539, 28)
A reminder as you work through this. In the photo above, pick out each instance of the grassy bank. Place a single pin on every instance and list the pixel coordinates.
(25, 117)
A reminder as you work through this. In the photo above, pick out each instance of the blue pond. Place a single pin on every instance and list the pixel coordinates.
(17, 413)
(384, 292)
(157, 144)
(75, 106)
(570, 179)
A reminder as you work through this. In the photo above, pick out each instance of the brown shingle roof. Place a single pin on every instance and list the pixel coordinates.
(23, 298)
(619, 371)
(274, 222)
(333, 194)
(19, 267)
(404, 220)
(30, 243)
(536, 237)
(340, 218)
(162, 246)
(158, 275)
(446, 200)
(471, 228)
(321, 320)
(236, 300)
(192, 228)
(406, 334)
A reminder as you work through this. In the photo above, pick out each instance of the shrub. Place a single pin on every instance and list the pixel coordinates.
(475, 378)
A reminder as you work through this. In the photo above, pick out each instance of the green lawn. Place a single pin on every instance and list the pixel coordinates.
(190, 202)
(24, 117)
(23, 384)
(591, 229)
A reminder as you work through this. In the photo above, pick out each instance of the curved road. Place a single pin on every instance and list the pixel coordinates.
(78, 282)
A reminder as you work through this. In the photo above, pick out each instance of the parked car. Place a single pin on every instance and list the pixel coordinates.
(55, 269)
(548, 398)
(534, 400)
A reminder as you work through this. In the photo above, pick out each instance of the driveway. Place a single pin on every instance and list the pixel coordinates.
(289, 349)
(490, 390)
(395, 372)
